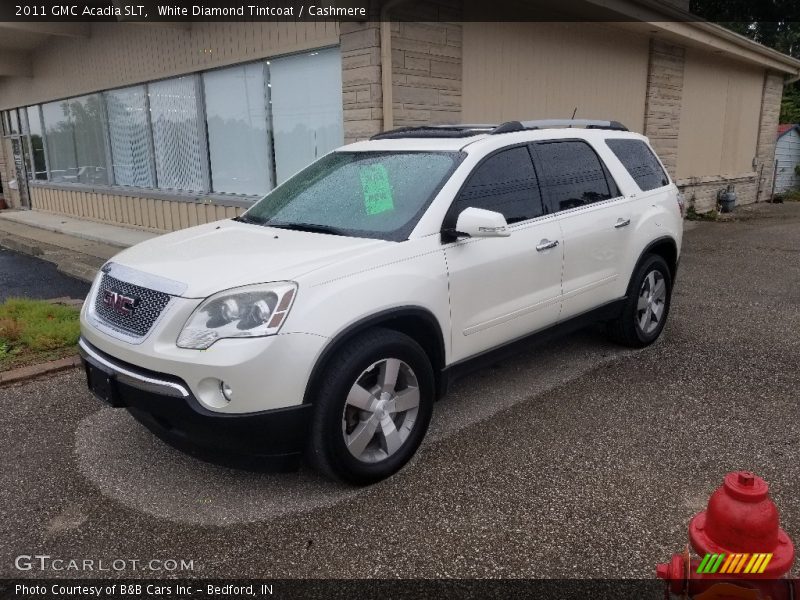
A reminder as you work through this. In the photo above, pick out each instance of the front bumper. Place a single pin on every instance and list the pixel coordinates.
(165, 405)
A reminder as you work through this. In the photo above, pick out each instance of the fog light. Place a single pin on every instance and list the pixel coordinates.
(227, 391)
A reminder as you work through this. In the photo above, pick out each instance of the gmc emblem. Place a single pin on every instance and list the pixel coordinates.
(119, 303)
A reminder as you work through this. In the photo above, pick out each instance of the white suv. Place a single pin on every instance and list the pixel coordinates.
(329, 317)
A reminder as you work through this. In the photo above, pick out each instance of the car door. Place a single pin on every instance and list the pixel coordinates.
(503, 288)
(595, 219)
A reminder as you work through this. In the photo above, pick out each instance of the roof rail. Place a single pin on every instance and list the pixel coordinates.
(435, 131)
(469, 130)
(511, 126)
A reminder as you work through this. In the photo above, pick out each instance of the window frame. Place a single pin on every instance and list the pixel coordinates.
(451, 216)
(613, 188)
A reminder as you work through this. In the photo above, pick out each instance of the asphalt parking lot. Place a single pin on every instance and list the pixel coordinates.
(29, 277)
(576, 459)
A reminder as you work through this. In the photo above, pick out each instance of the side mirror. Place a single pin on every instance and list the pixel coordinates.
(480, 223)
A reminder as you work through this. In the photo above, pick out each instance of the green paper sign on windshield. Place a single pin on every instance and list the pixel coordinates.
(377, 189)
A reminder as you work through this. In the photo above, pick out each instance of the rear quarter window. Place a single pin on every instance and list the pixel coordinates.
(640, 162)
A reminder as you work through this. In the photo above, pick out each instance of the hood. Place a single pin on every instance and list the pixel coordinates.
(226, 254)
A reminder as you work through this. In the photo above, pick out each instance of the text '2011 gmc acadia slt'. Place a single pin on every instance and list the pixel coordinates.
(328, 317)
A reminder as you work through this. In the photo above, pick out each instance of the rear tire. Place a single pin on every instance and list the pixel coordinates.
(372, 409)
(647, 305)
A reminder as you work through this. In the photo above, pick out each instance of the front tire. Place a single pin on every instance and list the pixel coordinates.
(373, 407)
(647, 306)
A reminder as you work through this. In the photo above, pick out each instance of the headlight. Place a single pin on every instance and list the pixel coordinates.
(250, 311)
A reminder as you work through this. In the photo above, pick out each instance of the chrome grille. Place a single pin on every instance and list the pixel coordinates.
(149, 305)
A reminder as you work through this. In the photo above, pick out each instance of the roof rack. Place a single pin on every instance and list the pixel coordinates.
(510, 126)
(435, 131)
(469, 130)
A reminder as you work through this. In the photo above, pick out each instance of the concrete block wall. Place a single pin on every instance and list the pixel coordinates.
(362, 96)
(662, 117)
(426, 69)
(426, 73)
(756, 186)
(701, 192)
(662, 125)
(767, 133)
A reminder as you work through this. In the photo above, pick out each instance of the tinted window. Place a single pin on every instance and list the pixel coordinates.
(572, 175)
(640, 162)
(505, 183)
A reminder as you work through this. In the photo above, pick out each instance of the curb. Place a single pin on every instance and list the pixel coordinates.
(66, 261)
(81, 235)
(78, 270)
(26, 373)
(20, 246)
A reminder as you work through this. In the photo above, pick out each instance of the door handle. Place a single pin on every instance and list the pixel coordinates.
(546, 244)
(622, 223)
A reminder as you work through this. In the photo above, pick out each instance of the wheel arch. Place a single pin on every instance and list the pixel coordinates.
(416, 322)
(667, 248)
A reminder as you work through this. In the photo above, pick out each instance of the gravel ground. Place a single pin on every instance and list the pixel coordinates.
(577, 459)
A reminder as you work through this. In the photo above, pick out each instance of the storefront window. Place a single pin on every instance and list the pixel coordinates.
(238, 139)
(238, 130)
(129, 134)
(178, 134)
(306, 93)
(39, 170)
(76, 144)
(13, 122)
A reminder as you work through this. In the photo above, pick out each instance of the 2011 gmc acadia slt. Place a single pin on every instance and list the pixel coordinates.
(329, 316)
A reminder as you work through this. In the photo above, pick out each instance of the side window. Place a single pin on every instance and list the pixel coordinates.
(505, 183)
(572, 175)
(640, 162)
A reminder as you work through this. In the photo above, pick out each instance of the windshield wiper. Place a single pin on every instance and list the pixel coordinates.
(311, 227)
(248, 219)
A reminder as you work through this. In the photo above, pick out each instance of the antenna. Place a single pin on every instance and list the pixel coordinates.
(574, 112)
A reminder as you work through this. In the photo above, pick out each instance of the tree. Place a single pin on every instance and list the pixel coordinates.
(774, 23)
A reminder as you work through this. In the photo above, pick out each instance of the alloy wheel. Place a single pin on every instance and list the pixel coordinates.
(381, 410)
(651, 303)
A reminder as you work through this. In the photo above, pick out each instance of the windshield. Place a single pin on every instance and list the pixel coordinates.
(360, 194)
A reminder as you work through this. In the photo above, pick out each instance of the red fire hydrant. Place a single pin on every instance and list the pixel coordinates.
(741, 542)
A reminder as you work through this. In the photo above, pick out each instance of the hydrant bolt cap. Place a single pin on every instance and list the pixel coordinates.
(745, 486)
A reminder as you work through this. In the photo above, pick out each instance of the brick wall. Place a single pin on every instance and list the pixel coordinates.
(767, 133)
(701, 192)
(426, 73)
(662, 117)
(662, 125)
(362, 96)
(426, 69)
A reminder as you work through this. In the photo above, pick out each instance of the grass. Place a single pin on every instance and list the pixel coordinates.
(692, 215)
(788, 196)
(34, 331)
